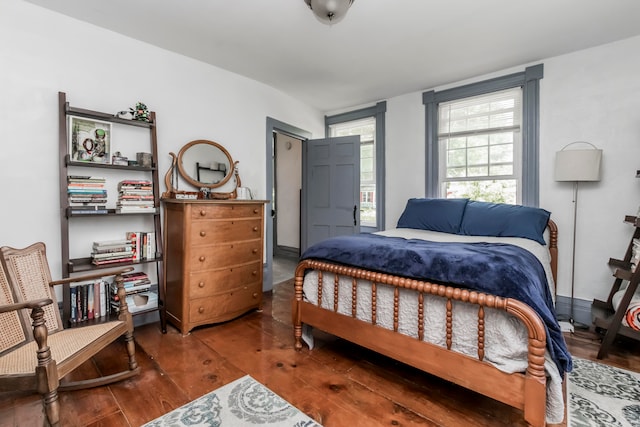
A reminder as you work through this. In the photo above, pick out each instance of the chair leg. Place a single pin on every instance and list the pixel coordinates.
(131, 350)
(47, 380)
(52, 408)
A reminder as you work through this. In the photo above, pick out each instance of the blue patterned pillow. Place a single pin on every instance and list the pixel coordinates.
(503, 220)
(433, 214)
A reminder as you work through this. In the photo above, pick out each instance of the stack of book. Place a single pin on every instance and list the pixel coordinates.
(89, 301)
(144, 244)
(139, 297)
(112, 252)
(135, 196)
(87, 194)
(134, 282)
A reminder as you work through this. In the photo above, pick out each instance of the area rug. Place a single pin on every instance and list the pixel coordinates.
(243, 402)
(601, 395)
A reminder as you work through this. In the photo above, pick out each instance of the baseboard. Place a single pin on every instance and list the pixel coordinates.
(287, 252)
(581, 309)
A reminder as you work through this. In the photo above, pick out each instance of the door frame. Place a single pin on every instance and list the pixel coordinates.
(274, 125)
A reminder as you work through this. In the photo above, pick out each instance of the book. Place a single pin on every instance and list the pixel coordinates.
(89, 212)
(111, 261)
(107, 243)
(88, 207)
(112, 255)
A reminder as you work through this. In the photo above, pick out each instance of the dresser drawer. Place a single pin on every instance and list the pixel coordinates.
(225, 306)
(226, 211)
(227, 254)
(208, 232)
(213, 282)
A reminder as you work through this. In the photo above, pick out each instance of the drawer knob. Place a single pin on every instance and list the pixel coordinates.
(255, 295)
(203, 212)
(203, 233)
(255, 211)
(201, 285)
(202, 258)
(201, 310)
(254, 272)
(255, 251)
(255, 228)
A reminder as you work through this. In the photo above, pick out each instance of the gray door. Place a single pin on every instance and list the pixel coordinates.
(330, 189)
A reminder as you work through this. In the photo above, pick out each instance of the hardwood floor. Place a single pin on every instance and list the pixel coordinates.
(338, 384)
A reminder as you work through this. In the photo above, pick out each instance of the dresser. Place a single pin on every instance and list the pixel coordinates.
(214, 255)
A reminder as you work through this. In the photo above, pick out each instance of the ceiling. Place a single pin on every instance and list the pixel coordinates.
(382, 48)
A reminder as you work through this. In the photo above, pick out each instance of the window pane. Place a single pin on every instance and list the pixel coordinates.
(496, 191)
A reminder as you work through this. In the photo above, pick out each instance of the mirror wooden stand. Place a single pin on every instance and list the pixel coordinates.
(204, 164)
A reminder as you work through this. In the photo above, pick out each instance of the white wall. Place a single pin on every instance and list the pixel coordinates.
(591, 95)
(43, 52)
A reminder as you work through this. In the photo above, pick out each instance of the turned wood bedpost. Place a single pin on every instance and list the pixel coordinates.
(535, 379)
(295, 309)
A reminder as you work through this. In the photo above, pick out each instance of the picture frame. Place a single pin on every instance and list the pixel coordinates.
(89, 140)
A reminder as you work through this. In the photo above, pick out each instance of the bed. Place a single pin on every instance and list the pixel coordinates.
(461, 289)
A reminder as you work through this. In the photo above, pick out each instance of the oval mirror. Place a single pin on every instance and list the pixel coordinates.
(205, 163)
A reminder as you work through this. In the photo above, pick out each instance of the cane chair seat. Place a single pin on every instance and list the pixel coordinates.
(64, 346)
(36, 351)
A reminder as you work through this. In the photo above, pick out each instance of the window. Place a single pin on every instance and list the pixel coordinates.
(482, 139)
(369, 124)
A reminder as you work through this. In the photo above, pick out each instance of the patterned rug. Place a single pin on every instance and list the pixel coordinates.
(601, 395)
(244, 402)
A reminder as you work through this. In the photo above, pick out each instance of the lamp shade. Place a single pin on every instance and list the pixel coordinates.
(578, 165)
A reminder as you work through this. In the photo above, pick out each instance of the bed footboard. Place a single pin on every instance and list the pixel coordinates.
(525, 391)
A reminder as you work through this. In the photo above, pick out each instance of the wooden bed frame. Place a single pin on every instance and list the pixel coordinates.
(525, 391)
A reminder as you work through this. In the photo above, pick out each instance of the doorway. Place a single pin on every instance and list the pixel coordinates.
(275, 130)
(287, 187)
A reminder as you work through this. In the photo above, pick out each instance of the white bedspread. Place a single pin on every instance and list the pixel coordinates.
(505, 336)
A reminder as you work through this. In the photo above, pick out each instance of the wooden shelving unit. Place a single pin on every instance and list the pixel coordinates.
(83, 264)
(605, 316)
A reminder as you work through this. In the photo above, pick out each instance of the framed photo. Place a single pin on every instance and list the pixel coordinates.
(89, 140)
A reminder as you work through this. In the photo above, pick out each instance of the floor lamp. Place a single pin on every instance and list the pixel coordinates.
(576, 165)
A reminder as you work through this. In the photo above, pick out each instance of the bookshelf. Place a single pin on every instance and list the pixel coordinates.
(607, 315)
(88, 141)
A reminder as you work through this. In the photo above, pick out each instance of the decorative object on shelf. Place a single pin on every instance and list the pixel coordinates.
(89, 140)
(144, 159)
(202, 164)
(141, 112)
(126, 115)
(119, 159)
(329, 11)
(576, 165)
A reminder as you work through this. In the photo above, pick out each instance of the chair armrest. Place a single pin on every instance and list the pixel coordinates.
(38, 303)
(91, 276)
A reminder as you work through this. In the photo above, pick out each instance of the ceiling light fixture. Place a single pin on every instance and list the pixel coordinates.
(329, 11)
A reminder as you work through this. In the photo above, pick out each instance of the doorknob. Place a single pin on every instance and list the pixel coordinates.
(355, 208)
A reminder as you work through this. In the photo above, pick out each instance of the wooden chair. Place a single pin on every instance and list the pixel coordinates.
(36, 354)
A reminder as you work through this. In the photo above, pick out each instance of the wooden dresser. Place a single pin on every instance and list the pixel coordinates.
(213, 259)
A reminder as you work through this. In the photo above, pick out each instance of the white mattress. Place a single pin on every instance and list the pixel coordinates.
(505, 336)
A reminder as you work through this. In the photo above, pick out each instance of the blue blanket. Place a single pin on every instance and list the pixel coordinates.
(495, 268)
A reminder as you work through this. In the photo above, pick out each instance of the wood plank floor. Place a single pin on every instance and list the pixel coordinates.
(337, 384)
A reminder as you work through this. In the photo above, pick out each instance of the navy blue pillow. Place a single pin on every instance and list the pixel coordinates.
(503, 220)
(442, 215)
